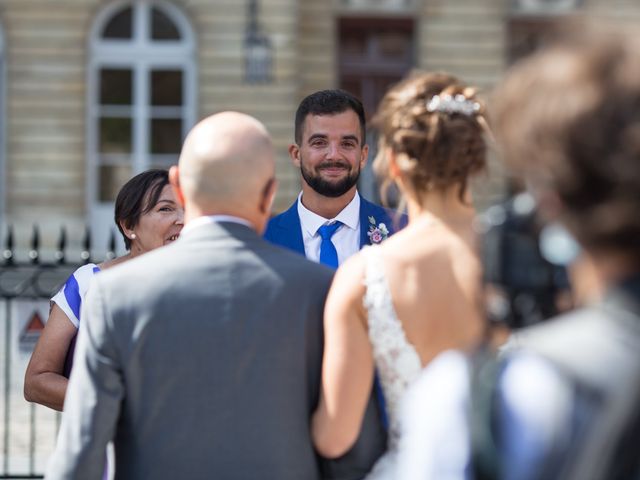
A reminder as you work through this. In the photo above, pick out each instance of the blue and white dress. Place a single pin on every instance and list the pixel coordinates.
(69, 298)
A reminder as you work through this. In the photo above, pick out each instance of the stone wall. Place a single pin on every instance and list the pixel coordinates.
(45, 53)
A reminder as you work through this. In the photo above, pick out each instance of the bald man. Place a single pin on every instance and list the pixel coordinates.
(202, 359)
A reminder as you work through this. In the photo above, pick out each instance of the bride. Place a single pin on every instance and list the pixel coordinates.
(394, 307)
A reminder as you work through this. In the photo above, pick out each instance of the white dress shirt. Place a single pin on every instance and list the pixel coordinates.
(208, 219)
(347, 237)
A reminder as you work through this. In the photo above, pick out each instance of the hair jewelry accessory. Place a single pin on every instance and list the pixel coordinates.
(453, 104)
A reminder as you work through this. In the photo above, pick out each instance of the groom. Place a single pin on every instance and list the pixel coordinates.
(330, 221)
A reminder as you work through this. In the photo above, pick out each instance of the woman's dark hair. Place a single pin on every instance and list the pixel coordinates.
(137, 197)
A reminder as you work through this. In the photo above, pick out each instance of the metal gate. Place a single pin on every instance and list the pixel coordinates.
(28, 431)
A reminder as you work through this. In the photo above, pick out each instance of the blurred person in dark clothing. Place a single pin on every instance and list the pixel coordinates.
(568, 120)
(565, 403)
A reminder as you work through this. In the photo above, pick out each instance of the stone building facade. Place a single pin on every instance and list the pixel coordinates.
(93, 91)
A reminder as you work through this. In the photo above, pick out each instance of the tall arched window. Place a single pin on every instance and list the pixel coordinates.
(142, 98)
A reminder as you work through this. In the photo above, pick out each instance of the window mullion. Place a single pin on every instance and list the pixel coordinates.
(93, 113)
(141, 29)
(189, 114)
(141, 118)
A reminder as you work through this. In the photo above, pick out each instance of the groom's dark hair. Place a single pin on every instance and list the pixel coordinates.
(329, 102)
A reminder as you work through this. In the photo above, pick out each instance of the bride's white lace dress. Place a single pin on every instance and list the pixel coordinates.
(396, 360)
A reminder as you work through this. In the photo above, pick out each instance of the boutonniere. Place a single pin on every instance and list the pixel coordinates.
(377, 233)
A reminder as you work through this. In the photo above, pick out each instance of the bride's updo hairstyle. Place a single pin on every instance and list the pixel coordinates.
(436, 127)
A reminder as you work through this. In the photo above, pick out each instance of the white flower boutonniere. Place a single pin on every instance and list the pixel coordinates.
(377, 233)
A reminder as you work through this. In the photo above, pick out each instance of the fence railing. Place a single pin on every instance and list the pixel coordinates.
(27, 282)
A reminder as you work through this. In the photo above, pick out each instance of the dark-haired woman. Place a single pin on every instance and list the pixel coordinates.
(148, 216)
(395, 306)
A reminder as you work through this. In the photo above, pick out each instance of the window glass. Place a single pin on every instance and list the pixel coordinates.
(354, 45)
(120, 25)
(166, 87)
(115, 135)
(394, 44)
(166, 135)
(162, 27)
(116, 86)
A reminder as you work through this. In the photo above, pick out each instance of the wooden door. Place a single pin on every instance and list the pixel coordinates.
(374, 54)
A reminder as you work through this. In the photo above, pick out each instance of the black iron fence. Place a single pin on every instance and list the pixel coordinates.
(28, 279)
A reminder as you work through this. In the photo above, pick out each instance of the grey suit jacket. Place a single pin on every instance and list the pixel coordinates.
(199, 360)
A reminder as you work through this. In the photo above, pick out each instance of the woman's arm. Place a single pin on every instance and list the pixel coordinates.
(43, 380)
(347, 367)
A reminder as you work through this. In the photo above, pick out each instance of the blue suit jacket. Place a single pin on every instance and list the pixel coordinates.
(285, 229)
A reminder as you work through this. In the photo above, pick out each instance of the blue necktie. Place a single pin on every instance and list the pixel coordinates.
(328, 253)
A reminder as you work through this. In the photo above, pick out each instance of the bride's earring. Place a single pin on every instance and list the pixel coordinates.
(133, 236)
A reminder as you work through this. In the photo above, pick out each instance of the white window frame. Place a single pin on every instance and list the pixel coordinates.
(141, 55)
(378, 7)
(3, 124)
(544, 7)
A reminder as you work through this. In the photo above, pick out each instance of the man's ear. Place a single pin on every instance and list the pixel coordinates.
(266, 202)
(174, 180)
(364, 155)
(294, 153)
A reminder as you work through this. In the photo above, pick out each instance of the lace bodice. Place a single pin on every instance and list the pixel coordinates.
(397, 362)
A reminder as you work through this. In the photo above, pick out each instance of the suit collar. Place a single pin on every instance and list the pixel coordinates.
(216, 230)
(367, 209)
(207, 219)
(311, 221)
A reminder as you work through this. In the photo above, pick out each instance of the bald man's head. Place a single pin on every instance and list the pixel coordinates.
(227, 159)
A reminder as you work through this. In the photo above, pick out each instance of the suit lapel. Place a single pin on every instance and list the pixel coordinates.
(365, 213)
(379, 215)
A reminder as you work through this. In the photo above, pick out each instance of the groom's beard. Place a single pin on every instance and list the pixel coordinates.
(328, 188)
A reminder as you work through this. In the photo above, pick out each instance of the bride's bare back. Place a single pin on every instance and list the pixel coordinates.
(434, 273)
